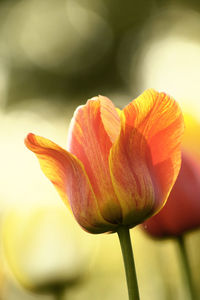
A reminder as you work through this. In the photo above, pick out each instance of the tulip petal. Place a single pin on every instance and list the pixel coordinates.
(94, 128)
(181, 213)
(67, 174)
(145, 160)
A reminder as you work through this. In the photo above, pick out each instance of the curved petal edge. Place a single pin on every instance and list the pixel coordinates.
(146, 158)
(67, 174)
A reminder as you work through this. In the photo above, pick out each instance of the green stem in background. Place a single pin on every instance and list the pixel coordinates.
(129, 265)
(59, 292)
(186, 267)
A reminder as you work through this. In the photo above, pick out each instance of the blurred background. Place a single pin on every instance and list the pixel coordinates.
(54, 55)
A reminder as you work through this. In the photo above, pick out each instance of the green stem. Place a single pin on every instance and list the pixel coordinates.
(186, 267)
(58, 293)
(129, 265)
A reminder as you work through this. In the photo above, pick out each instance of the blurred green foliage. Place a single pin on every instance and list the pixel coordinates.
(68, 50)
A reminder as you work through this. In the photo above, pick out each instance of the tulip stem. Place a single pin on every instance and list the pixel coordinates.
(186, 267)
(129, 265)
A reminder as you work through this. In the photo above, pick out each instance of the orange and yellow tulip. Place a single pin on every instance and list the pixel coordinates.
(119, 166)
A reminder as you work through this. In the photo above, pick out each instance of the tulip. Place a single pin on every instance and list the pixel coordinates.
(119, 166)
(115, 172)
